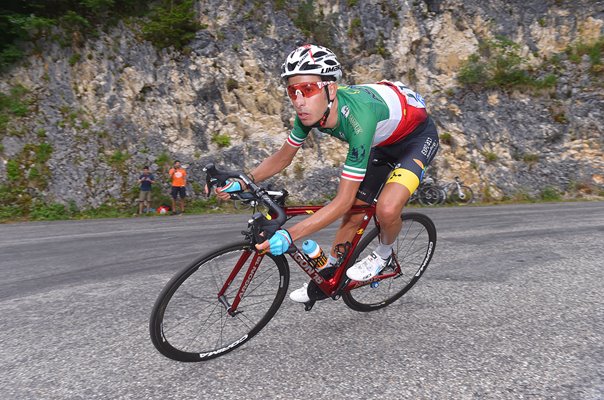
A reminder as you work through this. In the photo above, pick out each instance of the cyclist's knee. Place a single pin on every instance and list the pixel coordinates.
(388, 211)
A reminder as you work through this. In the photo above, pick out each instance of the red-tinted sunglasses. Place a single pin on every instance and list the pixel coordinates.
(306, 89)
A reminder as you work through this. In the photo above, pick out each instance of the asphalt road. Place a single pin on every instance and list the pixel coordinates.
(511, 307)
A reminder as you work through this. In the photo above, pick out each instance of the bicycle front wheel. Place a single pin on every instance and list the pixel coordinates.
(190, 322)
(461, 195)
(413, 250)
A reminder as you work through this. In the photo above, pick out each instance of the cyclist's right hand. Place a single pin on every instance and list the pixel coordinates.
(277, 244)
(232, 186)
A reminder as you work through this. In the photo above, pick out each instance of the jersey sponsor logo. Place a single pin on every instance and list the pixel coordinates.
(355, 125)
(345, 111)
(427, 146)
(418, 162)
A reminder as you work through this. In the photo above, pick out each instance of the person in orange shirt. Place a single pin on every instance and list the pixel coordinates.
(179, 181)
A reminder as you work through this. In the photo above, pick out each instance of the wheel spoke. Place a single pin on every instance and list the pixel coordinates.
(410, 253)
(194, 324)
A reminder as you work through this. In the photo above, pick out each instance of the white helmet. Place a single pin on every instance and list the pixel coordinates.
(311, 59)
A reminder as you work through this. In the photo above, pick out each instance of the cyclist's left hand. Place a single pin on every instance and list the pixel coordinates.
(277, 244)
(232, 186)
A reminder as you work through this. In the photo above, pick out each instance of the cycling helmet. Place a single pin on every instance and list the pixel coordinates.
(311, 59)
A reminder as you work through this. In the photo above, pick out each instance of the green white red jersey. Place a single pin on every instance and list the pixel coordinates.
(372, 115)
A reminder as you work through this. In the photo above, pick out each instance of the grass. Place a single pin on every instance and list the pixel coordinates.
(56, 211)
(221, 140)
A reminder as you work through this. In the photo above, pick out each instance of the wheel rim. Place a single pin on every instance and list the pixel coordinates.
(196, 322)
(413, 250)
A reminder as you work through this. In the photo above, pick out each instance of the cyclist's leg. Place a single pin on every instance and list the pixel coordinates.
(348, 228)
(413, 155)
(367, 193)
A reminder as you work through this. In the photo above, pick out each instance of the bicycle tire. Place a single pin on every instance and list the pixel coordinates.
(429, 196)
(412, 255)
(463, 195)
(190, 299)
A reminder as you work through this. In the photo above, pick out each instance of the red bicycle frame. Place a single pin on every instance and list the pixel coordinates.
(332, 286)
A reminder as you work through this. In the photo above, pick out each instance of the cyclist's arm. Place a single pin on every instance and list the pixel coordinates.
(275, 163)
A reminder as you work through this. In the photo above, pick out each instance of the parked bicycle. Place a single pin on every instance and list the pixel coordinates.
(428, 193)
(459, 193)
(225, 297)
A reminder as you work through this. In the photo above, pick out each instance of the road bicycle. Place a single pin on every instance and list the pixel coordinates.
(225, 297)
(459, 193)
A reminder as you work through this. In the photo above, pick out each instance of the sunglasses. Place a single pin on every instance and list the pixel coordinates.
(306, 89)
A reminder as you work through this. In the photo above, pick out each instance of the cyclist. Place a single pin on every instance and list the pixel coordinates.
(386, 120)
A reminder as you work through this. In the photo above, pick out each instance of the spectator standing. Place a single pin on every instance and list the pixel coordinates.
(146, 179)
(179, 181)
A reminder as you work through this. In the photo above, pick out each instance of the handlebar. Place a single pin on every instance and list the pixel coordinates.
(219, 178)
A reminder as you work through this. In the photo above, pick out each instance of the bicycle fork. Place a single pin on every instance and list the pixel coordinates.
(231, 309)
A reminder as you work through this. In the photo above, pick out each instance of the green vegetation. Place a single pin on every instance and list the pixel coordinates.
(446, 138)
(74, 59)
(279, 5)
(118, 159)
(232, 84)
(489, 156)
(22, 21)
(498, 64)
(313, 25)
(355, 25)
(14, 104)
(550, 194)
(172, 23)
(163, 159)
(530, 158)
(221, 140)
(168, 23)
(593, 50)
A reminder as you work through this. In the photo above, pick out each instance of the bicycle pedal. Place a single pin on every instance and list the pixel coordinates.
(309, 305)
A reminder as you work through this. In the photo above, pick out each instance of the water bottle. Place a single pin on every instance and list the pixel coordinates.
(318, 259)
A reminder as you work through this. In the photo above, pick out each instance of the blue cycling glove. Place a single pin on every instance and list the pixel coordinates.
(231, 187)
(280, 242)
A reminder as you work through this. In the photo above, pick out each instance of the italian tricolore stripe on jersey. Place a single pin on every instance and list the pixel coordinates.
(294, 140)
(353, 173)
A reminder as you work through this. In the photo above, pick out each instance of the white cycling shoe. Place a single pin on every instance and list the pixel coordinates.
(300, 295)
(367, 268)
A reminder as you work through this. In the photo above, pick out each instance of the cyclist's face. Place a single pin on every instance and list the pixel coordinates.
(307, 94)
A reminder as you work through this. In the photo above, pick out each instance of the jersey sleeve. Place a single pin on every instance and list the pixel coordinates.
(298, 134)
(359, 147)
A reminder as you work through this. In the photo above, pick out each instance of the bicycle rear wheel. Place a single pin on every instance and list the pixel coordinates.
(429, 196)
(190, 323)
(413, 250)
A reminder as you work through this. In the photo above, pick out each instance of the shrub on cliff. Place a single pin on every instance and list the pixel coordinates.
(498, 64)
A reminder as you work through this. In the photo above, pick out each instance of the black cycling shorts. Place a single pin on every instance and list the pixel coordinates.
(411, 155)
(178, 191)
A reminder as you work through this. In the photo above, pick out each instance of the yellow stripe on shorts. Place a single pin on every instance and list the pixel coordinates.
(404, 177)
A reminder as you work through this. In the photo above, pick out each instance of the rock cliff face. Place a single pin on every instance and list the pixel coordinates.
(107, 107)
